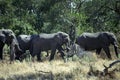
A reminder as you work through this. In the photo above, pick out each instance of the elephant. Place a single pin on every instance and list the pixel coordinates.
(53, 42)
(98, 41)
(8, 37)
(25, 44)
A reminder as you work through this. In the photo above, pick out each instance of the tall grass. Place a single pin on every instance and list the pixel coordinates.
(55, 70)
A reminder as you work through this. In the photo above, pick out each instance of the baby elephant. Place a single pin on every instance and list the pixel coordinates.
(98, 41)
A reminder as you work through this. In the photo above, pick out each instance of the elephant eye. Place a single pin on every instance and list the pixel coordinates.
(10, 32)
(64, 36)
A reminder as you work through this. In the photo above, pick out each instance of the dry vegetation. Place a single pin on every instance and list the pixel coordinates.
(78, 69)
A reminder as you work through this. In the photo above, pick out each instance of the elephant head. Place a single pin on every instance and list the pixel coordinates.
(110, 38)
(8, 37)
(18, 52)
(63, 38)
(113, 40)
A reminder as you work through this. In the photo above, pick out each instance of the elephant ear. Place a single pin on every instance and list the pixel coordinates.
(58, 39)
(103, 37)
(112, 39)
(108, 38)
(2, 38)
(9, 35)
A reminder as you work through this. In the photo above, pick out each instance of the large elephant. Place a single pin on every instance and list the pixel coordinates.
(8, 37)
(53, 41)
(98, 41)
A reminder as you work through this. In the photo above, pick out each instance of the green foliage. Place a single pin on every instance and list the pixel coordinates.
(37, 16)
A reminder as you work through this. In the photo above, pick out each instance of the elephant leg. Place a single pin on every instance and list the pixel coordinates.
(32, 51)
(62, 54)
(1, 51)
(33, 56)
(98, 51)
(47, 53)
(61, 50)
(39, 56)
(107, 51)
(52, 54)
(12, 52)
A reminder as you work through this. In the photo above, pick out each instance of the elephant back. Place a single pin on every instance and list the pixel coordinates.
(24, 41)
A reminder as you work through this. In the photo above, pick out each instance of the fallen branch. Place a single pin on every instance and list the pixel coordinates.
(105, 71)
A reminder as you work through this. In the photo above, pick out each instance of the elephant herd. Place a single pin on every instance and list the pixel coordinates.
(59, 41)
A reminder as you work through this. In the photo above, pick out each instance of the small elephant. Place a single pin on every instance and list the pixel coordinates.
(8, 37)
(98, 41)
(45, 42)
(25, 44)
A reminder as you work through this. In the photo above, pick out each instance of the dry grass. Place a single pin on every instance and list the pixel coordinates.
(56, 70)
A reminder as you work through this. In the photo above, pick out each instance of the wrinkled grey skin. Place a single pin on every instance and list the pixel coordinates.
(8, 37)
(45, 42)
(25, 44)
(98, 41)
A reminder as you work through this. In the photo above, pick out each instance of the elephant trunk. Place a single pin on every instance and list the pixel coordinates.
(115, 44)
(18, 52)
(18, 48)
(12, 52)
(67, 43)
(115, 47)
(68, 47)
(116, 52)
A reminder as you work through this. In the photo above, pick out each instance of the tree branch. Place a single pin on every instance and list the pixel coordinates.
(105, 71)
(97, 11)
(80, 4)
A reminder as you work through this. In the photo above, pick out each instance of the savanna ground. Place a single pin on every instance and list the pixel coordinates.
(74, 69)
